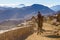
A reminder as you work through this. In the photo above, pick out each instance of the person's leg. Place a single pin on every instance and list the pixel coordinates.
(38, 28)
(38, 31)
(41, 30)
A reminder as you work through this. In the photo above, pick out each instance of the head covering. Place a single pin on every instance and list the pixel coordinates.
(39, 14)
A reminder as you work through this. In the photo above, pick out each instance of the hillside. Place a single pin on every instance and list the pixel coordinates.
(8, 24)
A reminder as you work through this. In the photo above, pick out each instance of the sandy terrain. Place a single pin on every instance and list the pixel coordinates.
(25, 33)
(46, 26)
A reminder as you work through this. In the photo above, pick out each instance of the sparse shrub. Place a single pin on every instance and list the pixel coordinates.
(58, 16)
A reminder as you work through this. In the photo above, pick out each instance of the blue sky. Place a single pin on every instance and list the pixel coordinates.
(15, 3)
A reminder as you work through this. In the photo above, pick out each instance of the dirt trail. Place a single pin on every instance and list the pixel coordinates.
(46, 26)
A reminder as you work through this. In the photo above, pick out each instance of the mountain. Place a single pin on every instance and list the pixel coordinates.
(21, 5)
(24, 12)
(56, 8)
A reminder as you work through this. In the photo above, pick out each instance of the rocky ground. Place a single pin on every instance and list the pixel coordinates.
(51, 33)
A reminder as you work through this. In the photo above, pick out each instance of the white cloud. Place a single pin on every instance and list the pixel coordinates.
(49, 5)
(9, 5)
(21, 5)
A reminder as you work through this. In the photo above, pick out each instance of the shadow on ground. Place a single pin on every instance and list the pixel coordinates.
(53, 36)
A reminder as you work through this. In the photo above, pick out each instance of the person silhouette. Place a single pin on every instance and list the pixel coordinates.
(39, 22)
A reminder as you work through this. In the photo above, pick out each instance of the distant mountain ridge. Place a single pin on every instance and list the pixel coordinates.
(24, 12)
(56, 8)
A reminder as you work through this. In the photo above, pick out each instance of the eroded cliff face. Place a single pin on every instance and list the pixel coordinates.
(17, 33)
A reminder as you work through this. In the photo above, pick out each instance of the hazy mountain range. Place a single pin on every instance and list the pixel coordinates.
(56, 8)
(13, 16)
(24, 12)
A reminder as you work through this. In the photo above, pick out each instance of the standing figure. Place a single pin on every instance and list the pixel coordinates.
(39, 22)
